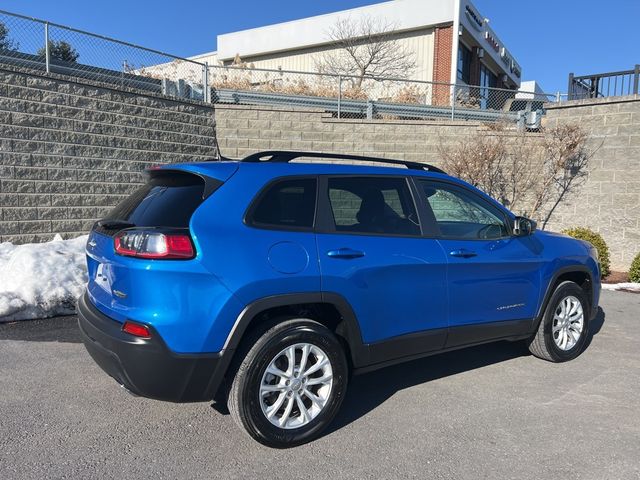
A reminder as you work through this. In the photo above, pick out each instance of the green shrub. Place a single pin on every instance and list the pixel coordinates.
(634, 271)
(597, 241)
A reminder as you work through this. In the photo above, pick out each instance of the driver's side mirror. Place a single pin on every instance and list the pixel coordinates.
(523, 226)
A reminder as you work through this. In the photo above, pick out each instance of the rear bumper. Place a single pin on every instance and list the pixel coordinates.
(147, 367)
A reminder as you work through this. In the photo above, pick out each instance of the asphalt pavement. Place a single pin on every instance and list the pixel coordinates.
(492, 411)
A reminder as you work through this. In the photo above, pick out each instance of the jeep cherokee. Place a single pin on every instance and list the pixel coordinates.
(267, 282)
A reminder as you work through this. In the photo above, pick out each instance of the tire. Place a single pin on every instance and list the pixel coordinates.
(550, 342)
(249, 403)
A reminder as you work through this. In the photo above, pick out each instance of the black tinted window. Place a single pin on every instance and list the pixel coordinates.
(167, 200)
(373, 205)
(287, 203)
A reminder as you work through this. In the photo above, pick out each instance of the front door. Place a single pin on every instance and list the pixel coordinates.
(493, 276)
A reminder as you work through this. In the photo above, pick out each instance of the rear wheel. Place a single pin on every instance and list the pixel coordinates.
(290, 384)
(563, 329)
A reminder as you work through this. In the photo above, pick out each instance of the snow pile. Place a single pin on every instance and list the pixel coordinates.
(627, 287)
(41, 279)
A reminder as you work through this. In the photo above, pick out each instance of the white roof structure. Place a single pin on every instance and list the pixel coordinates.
(531, 89)
(312, 31)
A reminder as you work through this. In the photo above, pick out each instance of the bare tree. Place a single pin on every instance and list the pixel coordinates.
(480, 162)
(366, 48)
(564, 168)
(530, 175)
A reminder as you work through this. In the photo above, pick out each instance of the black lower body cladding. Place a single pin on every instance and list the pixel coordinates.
(146, 367)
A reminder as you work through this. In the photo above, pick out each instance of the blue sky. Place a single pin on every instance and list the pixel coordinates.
(549, 38)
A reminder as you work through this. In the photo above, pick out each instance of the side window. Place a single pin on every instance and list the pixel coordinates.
(376, 205)
(286, 204)
(461, 214)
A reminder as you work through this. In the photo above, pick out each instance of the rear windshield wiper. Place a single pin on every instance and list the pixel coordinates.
(115, 224)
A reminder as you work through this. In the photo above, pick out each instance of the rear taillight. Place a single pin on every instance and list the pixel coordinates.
(136, 329)
(150, 244)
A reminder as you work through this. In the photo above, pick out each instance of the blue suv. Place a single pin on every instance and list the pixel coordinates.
(266, 283)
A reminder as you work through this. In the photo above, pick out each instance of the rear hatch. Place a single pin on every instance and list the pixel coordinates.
(126, 284)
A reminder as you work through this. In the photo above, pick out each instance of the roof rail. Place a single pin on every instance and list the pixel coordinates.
(281, 156)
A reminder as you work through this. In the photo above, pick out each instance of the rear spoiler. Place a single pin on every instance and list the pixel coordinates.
(210, 184)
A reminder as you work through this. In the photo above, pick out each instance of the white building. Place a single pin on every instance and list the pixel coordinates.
(451, 41)
(531, 90)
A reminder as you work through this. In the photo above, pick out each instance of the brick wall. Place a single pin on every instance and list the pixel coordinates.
(71, 149)
(609, 202)
(442, 45)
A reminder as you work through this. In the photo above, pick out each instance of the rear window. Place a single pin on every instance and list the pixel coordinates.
(166, 200)
(286, 204)
(373, 205)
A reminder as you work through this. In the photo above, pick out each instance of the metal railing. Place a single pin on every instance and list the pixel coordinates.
(348, 96)
(55, 48)
(600, 85)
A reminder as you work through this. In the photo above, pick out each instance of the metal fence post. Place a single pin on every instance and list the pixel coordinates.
(636, 79)
(370, 109)
(570, 88)
(453, 102)
(339, 95)
(205, 82)
(47, 54)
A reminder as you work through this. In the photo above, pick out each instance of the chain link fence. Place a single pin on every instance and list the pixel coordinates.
(46, 46)
(22, 41)
(55, 48)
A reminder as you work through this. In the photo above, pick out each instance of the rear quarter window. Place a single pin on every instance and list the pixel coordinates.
(285, 204)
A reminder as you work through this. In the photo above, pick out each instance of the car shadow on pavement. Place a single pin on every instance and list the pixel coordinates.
(56, 329)
(368, 391)
(595, 326)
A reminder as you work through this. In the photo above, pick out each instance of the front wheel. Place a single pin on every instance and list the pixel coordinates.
(564, 327)
(290, 384)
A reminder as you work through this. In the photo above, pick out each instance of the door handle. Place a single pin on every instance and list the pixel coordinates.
(345, 253)
(462, 252)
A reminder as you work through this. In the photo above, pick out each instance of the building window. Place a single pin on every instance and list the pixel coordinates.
(488, 80)
(464, 64)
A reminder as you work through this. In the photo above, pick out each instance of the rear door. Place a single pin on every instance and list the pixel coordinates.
(493, 275)
(372, 252)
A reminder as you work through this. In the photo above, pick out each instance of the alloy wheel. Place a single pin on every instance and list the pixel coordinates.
(568, 323)
(296, 386)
